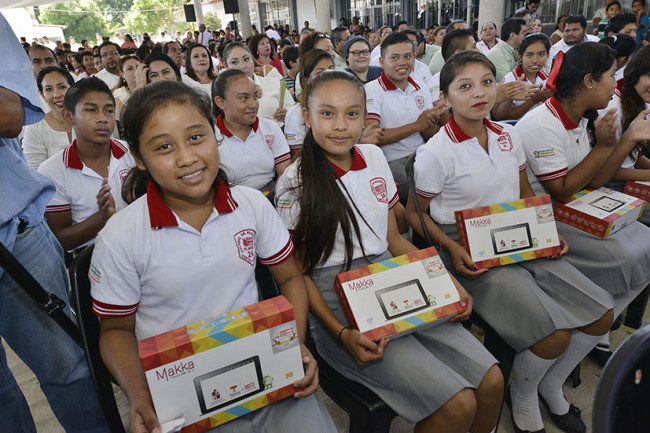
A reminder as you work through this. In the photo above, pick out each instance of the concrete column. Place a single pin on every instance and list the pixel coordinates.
(198, 11)
(244, 19)
(323, 20)
(491, 10)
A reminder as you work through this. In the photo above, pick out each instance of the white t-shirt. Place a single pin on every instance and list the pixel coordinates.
(252, 162)
(149, 262)
(393, 108)
(270, 100)
(122, 94)
(564, 47)
(111, 80)
(294, 127)
(371, 185)
(205, 89)
(41, 142)
(77, 185)
(552, 142)
(434, 88)
(516, 74)
(483, 48)
(455, 172)
(420, 72)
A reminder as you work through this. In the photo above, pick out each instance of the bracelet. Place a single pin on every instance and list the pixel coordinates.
(341, 333)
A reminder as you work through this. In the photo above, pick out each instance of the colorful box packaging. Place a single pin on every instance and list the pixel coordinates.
(221, 368)
(396, 296)
(638, 188)
(600, 212)
(505, 233)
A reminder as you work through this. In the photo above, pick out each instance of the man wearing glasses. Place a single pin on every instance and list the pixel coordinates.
(383, 34)
(110, 54)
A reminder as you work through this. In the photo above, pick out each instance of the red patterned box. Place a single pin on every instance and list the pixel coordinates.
(396, 296)
(600, 212)
(638, 188)
(221, 368)
(511, 232)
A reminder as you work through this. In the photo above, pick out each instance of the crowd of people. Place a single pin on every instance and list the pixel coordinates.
(296, 142)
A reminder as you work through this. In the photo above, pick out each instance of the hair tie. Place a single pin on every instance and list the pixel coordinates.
(555, 70)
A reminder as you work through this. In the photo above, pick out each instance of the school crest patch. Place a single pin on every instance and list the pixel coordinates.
(505, 142)
(123, 174)
(269, 139)
(245, 242)
(419, 101)
(378, 187)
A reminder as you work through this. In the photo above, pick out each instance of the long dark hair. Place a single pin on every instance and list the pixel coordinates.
(141, 105)
(585, 58)
(325, 202)
(188, 62)
(308, 63)
(631, 103)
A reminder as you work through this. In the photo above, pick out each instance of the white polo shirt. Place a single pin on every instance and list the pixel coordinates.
(252, 162)
(420, 73)
(111, 80)
(394, 108)
(371, 185)
(434, 88)
(455, 172)
(552, 142)
(564, 47)
(294, 127)
(516, 74)
(77, 185)
(149, 262)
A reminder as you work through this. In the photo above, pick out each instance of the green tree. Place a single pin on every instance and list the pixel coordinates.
(211, 21)
(83, 18)
(154, 15)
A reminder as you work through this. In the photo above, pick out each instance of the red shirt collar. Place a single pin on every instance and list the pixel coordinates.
(556, 109)
(71, 157)
(358, 163)
(226, 132)
(457, 135)
(386, 84)
(519, 71)
(161, 216)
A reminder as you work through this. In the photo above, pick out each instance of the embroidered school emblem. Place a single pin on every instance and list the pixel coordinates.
(245, 241)
(269, 139)
(123, 174)
(378, 187)
(505, 142)
(419, 101)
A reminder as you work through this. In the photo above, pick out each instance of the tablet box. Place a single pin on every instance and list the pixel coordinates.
(600, 212)
(511, 232)
(224, 367)
(394, 297)
(638, 188)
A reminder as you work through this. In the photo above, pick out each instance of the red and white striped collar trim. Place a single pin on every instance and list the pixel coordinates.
(358, 163)
(226, 132)
(71, 157)
(556, 109)
(519, 71)
(617, 92)
(386, 84)
(161, 216)
(457, 135)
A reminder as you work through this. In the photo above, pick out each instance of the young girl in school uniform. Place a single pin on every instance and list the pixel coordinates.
(253, 149)
(566, 151)
(546, 310)
(183, 233)
(533, 52)
(338, 198)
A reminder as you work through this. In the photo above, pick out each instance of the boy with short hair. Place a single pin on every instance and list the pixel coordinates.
(292, 62)
(89, 173)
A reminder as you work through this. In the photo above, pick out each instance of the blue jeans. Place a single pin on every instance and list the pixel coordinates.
(56, 360)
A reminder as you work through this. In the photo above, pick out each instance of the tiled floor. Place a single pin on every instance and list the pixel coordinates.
(581, 396)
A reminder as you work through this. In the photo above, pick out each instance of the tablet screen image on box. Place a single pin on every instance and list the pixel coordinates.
(401, 299)
(511, 238)
(229, 384)
(607, 204)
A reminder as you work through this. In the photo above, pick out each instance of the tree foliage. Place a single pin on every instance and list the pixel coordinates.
(212, 21)
(154, 15)
(83, 18)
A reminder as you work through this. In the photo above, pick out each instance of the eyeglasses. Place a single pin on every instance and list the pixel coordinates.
(385, 33)
(358, 53)
(110, 53)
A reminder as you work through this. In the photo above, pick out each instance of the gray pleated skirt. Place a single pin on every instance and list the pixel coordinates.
(289, 415)
(618, 264)
(526, 302)
(420, 372)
